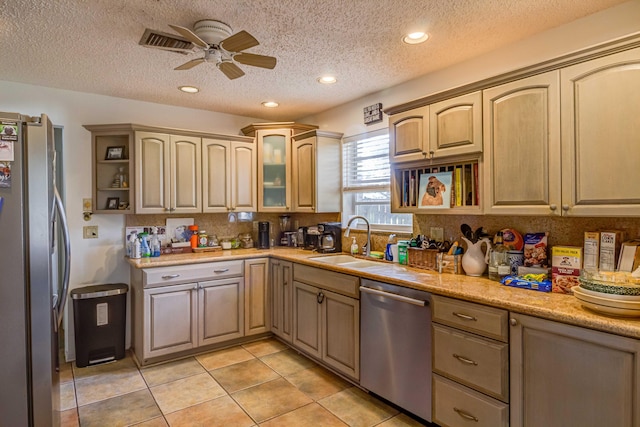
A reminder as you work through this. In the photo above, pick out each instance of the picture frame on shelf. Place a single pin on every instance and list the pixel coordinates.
(435, 190)
(115, 153)
(113, 203)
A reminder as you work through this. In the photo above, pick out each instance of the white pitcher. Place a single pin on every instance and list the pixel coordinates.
(474, 262)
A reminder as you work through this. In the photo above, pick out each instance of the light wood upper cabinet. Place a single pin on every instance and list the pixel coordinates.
(274, 170)
(455, 126)
(522, 147)
(316, 172)
(601, 136)
(409, 135)
(229, 181)
(168, 174)
(563, 375)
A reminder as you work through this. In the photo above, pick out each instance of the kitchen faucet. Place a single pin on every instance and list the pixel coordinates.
(367, 250)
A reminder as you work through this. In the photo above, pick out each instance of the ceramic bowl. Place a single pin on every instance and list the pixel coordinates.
(610, 287)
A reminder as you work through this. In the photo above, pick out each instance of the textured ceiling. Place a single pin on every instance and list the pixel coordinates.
(92, 46)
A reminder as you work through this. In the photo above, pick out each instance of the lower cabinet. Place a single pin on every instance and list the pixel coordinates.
(326, 324)
(281, 280)
(564, 375)
(180, 308)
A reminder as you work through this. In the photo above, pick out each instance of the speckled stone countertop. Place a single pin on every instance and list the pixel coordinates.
(558, 307)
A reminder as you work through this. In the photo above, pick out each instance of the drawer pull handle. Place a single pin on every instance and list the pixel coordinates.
(465, 415)
(465, 360)
(170, 276)
(220, 270)
(464, 316)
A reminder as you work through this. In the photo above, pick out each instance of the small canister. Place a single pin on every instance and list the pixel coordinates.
(202, 239)
(515, 259)
(212, 240)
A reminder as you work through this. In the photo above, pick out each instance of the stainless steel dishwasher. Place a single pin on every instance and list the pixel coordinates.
(395, 339)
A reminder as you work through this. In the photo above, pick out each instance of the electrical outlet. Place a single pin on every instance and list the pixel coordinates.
(436, 233)
(90, 232)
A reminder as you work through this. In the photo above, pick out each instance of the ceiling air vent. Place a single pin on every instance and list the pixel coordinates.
(159, 40)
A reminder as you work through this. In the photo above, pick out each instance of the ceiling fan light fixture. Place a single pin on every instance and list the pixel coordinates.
(189, 89)
(270, 104)
(415, 38)
(327, 80)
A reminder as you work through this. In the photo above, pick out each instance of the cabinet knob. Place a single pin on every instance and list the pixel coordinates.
(565, 207)
(513, 322)
(553, 207)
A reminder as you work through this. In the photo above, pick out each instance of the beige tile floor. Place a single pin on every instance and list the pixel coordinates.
(263, 383)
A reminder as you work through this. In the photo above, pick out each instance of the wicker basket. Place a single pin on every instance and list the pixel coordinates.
(432, 259)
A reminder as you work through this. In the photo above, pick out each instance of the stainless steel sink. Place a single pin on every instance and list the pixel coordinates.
(346, 261)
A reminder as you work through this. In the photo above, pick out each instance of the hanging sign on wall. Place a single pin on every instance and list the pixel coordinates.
(373, 114)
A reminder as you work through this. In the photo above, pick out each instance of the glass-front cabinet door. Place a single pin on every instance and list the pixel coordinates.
(274, 170)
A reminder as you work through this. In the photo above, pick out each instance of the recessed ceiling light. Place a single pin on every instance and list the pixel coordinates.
(415, 38)
(270, 104)
(327, 80)
(189, 89)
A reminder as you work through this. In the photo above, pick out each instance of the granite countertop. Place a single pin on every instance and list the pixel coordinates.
(552, 306)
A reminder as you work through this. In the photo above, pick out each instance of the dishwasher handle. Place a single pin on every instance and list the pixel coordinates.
(396, 297)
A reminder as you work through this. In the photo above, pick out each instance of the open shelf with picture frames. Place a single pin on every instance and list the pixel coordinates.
(461, 194)
(112, 161)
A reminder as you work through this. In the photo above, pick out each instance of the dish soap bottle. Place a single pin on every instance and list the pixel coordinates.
(388, 254)
(354, 246)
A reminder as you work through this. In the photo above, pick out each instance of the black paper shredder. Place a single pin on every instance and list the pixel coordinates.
(100, 316)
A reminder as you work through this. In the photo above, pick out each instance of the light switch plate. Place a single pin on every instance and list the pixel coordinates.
(87, 205)
(90, 232)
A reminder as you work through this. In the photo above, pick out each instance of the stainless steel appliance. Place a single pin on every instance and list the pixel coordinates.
(395, 352)
(32, 299)
(312, 238)
(264, 235)
(330, 239)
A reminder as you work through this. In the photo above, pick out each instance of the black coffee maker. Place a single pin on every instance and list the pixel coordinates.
(263, 235)
(330, 239)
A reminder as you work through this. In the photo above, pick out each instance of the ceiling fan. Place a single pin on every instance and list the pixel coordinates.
(214, 39)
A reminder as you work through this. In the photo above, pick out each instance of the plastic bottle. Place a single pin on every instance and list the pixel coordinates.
(135, 251)
(354, 246)
(194, 236)
(130, 242)
(498, 261)
(145, 251)
(388, 255)
(154, 243)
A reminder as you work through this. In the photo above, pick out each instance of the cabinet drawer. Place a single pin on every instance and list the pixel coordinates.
(456, 405)
(482, 320)
(477, 362)
(325, 279)
(152, 277)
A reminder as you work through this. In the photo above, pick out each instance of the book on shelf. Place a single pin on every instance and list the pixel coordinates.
(458, 185)
(475, 185)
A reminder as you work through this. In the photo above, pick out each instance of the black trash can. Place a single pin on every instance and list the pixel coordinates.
(100, 316)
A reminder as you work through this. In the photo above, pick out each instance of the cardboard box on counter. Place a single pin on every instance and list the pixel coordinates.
(591, 250)
(566, 264)
(610, 242)
(629, 256)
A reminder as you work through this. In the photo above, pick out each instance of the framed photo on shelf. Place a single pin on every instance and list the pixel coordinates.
(435, 190)
(115, 153)
(113, 203)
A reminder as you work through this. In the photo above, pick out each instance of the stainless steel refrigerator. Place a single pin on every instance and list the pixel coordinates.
(32, 297)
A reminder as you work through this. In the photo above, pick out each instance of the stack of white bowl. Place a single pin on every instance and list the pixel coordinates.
(614, 294)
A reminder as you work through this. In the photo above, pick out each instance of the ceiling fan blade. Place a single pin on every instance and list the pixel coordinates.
(239, 41)
(190, 35)
(189, 65)
(231, 70)
(254, 60)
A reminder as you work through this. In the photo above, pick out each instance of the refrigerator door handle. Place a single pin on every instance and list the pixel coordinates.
(59, 304)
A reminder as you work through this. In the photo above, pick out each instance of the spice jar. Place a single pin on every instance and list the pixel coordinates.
(202, 239)
(246, 241)
(212, 240)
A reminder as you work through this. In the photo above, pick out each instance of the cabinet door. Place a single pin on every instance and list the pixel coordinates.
(409, 135)
(341, 333)
(216, 175)
(522, 147)
(152, 173)
(256, 296)
(600, 136)
(170, 320)
(564, 375)
(456, 126)
(220, 310)
(186, 176)
(306, 318)
(303, 175)
(244, 182)
(281, 303)
(274, 170)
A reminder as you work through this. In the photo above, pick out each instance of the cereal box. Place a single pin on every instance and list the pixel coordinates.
(566, 262)
(610, 242)
(591, 250)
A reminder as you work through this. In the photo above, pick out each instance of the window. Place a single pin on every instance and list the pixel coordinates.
(366, 182)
